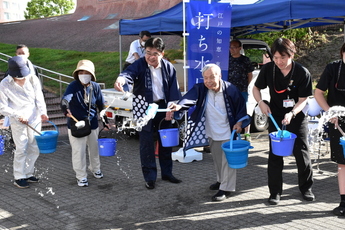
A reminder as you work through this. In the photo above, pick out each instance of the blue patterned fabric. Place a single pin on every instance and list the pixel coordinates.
(197, 96)
(138, 75)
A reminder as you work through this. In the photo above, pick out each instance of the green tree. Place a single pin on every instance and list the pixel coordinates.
(47, 8)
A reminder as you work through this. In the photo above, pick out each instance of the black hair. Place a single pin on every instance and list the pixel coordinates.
(155, 43)
(238, 42)
(21, 46)
(144, 33)
(283, 46)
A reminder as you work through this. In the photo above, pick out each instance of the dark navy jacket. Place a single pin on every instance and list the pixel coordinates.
(197, 96)
(138, 77)
(73, 99)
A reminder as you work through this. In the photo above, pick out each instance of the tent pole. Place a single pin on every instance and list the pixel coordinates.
(184, 47)
(184, 61)
(120, 50)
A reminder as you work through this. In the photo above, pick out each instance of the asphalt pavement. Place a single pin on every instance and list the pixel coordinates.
(121, 201)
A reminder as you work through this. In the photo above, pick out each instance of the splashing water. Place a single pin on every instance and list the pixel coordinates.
(122, 169)
(141, 122)
(6, 139)
(50, 190)
(334, 111)
(41, 194)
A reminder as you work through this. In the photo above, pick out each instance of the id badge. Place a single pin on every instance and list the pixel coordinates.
(287, 103)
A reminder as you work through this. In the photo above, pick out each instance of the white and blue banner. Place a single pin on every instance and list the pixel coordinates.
(208, 25)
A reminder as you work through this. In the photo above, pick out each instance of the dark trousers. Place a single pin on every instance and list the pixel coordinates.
(298, 126)
(147, 148)
(337, 154)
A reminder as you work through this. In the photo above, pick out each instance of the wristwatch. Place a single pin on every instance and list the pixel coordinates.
(293, 113)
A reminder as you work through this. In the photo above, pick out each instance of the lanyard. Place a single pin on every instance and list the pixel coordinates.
(274, 79)
(336, 84)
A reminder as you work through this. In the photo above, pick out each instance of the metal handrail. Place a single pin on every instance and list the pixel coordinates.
(44, 73)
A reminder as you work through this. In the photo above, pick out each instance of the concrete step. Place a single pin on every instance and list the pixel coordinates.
(54, 112)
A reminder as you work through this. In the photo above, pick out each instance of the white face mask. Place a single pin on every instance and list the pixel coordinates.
(25, 57)
(142, 43)
(84, 78)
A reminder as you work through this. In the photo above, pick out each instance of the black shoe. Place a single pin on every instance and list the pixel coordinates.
(221, 195)
(339, 211)
(207, 149)
(172, 179)
(274, 199)
(215, 186)
(308, 195)
(21, 183)
(32, 179)
(150, 185)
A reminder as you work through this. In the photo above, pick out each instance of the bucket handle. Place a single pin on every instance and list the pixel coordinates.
(282, 132)
(50, 123)
(232, 137)
(99, 133)
(159, 126)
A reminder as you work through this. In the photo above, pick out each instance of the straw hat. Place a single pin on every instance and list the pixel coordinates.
(85, 65)
(17, 67)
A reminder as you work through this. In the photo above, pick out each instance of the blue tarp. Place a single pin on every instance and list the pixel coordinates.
(262, 16)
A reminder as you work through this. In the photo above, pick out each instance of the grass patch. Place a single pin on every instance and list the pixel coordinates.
(65, 62)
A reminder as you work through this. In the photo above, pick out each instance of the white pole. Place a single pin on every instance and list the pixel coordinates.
(120, 50)
(184, 34)
(184, 61)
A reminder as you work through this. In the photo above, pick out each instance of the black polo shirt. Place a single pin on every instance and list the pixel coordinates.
(334, 82)
(294, 85)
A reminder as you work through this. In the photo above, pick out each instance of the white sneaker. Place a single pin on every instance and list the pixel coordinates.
(83, 183)
(98, 174)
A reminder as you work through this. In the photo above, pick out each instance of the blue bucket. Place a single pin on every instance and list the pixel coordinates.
(169, 137)
(107, 147)
(2, 144)
(236, 152)
(342, 142)
(282, 146)
(48, 140)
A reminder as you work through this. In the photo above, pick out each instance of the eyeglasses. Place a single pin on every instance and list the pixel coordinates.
(234, 47)
(156, 54)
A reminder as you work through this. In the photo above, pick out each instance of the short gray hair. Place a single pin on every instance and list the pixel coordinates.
(209, 66)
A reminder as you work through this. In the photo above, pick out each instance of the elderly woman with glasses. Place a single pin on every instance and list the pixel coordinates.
(333, 80)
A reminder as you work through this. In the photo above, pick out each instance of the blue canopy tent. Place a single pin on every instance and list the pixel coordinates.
(259, 17)
(262, 16)
(169, 21)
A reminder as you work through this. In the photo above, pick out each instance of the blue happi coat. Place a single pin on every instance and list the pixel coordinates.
(138, 77)
(197, 98)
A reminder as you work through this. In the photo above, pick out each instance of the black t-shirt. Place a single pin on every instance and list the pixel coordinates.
(329, 81)
(238, 72)
(298, 81)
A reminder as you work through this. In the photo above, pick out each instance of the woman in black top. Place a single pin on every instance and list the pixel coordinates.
(333, 80)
